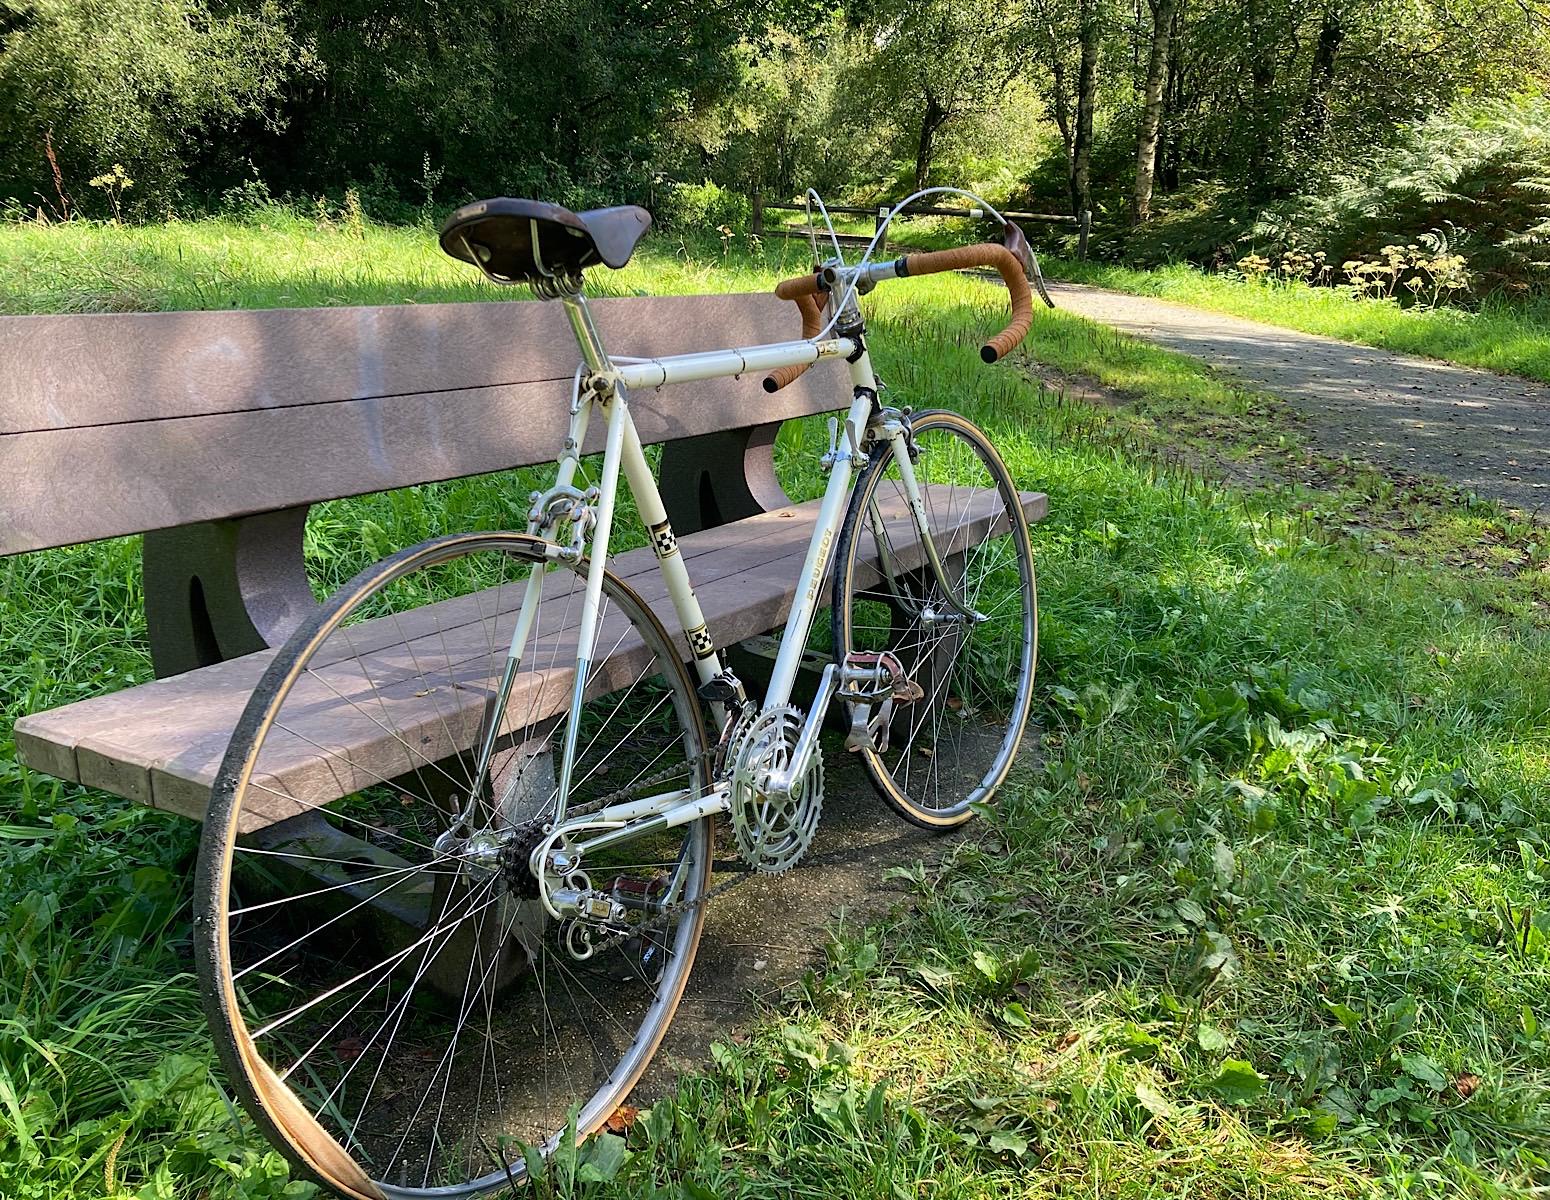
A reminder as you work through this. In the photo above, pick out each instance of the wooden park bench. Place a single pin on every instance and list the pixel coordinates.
(212, 433)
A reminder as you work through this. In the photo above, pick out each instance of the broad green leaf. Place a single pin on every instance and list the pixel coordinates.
(1224, 863)
(1424, 1071)
(801, 1046)
(601, 1157)
(1211, 1039)
(987, 965)
(1003, 1142)
(937, 978)
(876, 1102)
(1348, 1017)
(1237, 1082)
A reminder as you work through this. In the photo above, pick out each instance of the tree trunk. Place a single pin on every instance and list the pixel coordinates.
(931, 120)
(1152, 109)
(1086, 103)
(1321, 81)
(1262, 77)
(1061, 108)
(1175, 104)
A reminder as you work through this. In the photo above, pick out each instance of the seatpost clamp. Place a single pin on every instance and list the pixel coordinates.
(605, 385)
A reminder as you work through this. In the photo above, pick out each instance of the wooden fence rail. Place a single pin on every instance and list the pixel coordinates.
(1082, 223)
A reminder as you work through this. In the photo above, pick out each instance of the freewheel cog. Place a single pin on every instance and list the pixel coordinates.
(773, 828)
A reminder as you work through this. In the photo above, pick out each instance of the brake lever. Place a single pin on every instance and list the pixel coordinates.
(1015, 240)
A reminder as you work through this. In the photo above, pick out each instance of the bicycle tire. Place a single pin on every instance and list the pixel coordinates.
(870, 616)
(468, 1148)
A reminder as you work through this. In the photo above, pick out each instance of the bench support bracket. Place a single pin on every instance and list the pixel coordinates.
(222, 589)
(715, 478)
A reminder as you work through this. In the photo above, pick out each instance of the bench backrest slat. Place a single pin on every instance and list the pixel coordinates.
(123, 423)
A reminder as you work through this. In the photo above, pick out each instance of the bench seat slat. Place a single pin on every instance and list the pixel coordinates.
(161, 742)
(49, 741)
(73, 370)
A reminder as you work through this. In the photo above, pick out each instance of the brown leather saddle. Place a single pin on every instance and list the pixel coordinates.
(525, 241)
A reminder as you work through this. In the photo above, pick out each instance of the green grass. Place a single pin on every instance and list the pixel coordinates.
(1269, 921)
(1512, 338)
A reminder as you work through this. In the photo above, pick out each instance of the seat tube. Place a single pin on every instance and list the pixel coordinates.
(648, 502)
(670, 560)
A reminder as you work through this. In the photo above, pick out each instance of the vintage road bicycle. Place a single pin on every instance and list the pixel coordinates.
(446, 968)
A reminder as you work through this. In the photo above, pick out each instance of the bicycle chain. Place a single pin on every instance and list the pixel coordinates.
(673, 911)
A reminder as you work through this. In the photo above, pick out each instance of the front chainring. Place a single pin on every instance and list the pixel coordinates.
(773, 830)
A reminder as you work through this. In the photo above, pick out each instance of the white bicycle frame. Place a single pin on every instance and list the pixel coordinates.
(606, 385)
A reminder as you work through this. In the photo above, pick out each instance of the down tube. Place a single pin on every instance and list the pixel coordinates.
(835, 498)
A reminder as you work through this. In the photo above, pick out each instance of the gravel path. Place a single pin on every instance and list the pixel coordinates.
(1488, 433)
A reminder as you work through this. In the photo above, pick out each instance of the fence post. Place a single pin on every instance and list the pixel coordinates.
(758, 214)
(1085, 227)
(882, 215)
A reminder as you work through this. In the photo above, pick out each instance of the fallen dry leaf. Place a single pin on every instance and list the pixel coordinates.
(623, 1118)
(1466, 1085)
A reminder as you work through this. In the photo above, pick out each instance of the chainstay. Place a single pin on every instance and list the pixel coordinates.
(672, 912)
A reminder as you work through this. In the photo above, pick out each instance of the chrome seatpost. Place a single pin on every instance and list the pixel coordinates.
(587, 337)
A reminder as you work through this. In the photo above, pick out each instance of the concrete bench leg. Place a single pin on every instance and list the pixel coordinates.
(222, 589)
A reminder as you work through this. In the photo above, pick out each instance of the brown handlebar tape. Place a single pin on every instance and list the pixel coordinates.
(805, 290)
(987, 254)
(810, 284)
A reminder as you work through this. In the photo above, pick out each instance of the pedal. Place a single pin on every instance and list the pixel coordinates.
(642, 894)
(901, 688)
(868, 732)
(860, 736)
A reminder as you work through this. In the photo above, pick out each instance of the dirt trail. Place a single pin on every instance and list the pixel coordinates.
(1487, 433)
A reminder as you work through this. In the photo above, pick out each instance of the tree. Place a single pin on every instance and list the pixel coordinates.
(1163, 15)
(97, 82)
(934, 63)
(1090, 37)
(572, 99)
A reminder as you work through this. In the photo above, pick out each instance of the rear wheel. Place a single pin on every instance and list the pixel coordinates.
(934, 757)
(399, 1014)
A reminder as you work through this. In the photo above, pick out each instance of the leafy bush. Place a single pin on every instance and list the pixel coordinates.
(701, 207)
(1476, 176)
(1204, 224)
(86, 86)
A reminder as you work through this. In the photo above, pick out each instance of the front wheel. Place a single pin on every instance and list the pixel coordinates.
(967, 637)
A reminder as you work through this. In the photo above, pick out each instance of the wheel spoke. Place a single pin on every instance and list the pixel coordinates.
(393, 969)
